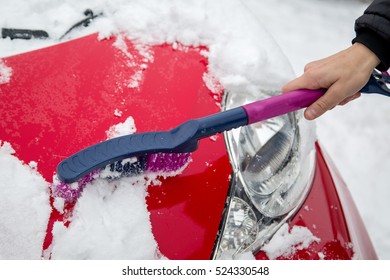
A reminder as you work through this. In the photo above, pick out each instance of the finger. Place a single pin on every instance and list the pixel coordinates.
(304, 81)
(350, 98)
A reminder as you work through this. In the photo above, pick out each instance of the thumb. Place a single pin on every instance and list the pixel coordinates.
(326, 102)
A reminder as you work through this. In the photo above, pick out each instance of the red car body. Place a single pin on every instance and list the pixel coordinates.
(74, 88)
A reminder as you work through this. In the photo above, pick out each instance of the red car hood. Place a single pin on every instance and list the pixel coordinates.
(63, 98)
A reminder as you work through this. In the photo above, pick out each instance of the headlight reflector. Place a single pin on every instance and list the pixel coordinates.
(273, 168)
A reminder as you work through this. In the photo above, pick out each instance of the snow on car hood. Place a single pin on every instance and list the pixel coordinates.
(24, 207)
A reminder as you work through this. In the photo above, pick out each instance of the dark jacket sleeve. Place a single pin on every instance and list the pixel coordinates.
(373, 31)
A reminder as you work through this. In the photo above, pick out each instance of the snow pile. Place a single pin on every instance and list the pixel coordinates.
(24, 208)
(110, 221)
(120, 129)
(285, 242)
(5, 73)
(243, 56)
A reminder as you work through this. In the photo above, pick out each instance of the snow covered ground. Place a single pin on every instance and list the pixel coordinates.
(355, 136)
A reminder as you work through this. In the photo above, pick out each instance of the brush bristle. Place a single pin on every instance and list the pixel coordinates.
(165, 163)
(70, 192)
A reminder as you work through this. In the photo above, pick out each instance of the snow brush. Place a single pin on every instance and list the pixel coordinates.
(169, 150)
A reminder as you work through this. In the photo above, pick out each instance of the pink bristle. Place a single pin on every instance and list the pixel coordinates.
(167, 162)
(161, 162)
(70, 193)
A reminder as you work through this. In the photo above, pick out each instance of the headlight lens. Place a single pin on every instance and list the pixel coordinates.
(241, 227)
(273, 166)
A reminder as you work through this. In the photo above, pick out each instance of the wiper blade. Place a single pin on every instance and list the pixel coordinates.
(24, 34)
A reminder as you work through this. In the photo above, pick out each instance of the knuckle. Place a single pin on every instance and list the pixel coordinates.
(313, 79)
(308, 67)
(322, 105)
(311, 65)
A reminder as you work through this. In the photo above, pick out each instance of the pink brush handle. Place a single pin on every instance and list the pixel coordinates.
(281, 104)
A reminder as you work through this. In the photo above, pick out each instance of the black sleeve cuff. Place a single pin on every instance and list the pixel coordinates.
(377, 45)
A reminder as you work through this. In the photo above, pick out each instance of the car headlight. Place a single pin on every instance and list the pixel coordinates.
(273, 167)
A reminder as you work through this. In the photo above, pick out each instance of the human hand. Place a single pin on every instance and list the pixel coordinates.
(342, 74)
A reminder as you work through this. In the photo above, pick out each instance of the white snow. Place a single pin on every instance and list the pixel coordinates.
(5, 73)
(118, 113)
(243, 57)
(110, 221)
(24, 208)
(59, 204)
(285, 242)
(120, 129)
